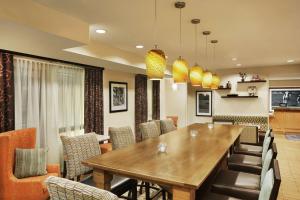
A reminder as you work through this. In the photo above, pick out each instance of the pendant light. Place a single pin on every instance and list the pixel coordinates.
(180, 67)
(196, 72)
(207, 75)
(215, 78)
(155, 59)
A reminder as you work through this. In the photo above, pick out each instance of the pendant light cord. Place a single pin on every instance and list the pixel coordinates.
(196, 43)
(155, 24)
(206, 51)
(180, 40)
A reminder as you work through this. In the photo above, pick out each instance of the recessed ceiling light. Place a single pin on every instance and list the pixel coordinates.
(139, 46)
(290, 61)
(238, 65)
(166, 56)
(234, 59)
(101, 31)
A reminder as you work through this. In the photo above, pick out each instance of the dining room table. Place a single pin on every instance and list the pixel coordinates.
(190, 155)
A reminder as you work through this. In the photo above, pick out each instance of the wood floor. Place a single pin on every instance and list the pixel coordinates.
(289, 164)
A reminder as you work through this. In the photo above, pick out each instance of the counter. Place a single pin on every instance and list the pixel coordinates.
(285, 119)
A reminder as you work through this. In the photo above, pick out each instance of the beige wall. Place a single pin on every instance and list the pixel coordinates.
(277, 76)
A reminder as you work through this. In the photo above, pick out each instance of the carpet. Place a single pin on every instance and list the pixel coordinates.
(292, 136)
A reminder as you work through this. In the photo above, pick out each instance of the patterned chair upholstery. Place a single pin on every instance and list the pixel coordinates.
(121, 137)
(149, 130)
(77, 149)
(167, 125)
(64, 189)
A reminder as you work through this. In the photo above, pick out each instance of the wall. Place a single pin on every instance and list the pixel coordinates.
(176, 101)
(279, 76)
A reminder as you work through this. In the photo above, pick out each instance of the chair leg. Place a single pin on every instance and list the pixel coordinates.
(164, 195)
(147, 189)
(134, 192)
(141, 187)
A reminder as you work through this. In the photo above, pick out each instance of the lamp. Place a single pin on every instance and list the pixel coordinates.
(215, 82)
(207, 80)
(156, 64)
(180, 71)
(155, 59)
(180, 66)
(196, 72)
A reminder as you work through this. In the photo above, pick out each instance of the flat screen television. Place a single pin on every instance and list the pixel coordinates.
(284, 97)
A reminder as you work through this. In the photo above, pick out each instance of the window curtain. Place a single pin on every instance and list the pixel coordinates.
(7, 110)
(49, 96)
(156, 99)
(93, 100)
(141, 104)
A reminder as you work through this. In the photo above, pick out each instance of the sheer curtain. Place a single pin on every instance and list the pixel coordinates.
(50, 97)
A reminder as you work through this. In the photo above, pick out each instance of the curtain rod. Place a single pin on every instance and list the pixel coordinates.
(49, 59)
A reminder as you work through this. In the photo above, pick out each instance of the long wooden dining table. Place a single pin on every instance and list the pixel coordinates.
(192, 154)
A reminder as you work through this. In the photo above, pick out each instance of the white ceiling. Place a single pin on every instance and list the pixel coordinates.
(257, 32)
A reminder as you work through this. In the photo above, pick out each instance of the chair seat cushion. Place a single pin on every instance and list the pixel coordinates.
(245, 163)
(116, 181)
(248, 150)
(215, 196)
(237, 184)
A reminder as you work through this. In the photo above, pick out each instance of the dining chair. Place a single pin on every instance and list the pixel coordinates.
(267, 191)
(82, 147)
(149, 130)
(249, 164)
(255, 150)
(64, 189)
(121, 137)
(167, 125)
(243, 185)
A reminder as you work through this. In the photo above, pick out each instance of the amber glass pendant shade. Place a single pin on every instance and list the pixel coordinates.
(180, 71)
(215, 82)
(207, 80)
(155, 64)
(196, 75)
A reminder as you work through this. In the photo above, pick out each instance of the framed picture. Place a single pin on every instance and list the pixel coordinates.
(118, 97)
(204, 103)
(284, 97)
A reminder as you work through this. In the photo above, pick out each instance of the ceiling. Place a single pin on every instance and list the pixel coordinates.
(256, 32)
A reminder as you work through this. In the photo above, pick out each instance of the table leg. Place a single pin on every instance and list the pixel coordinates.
(102, 179)
(183, 194)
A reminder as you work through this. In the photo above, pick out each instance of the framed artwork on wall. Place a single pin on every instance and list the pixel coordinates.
(118, 97)
(284, 97)
(204, 103)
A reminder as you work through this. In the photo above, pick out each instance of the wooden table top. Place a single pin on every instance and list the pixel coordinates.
(187, 163)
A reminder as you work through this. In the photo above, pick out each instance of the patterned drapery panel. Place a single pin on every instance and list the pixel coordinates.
(93, 100)
(141, 104)
(7, 101)
(156, 99)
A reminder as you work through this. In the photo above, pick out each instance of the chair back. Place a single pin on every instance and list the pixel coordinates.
(64, 189)
(9, 141)
(149, 130)
(267, 186)
(121, 137)
(167, 125)
(274, 149)
(277, 180)
(78, 149)
(266, 165)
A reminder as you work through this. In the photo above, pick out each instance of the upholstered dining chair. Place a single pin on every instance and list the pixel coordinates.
(83, 147)
(244, 185)
(255, 150)
(64, 189)
(12, 188)
(266, 192)
(121, 137)
(167, 125)
(149, 130)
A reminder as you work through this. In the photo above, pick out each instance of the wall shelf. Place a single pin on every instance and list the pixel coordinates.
(224, 89)
(251, 97)
(254, 81)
